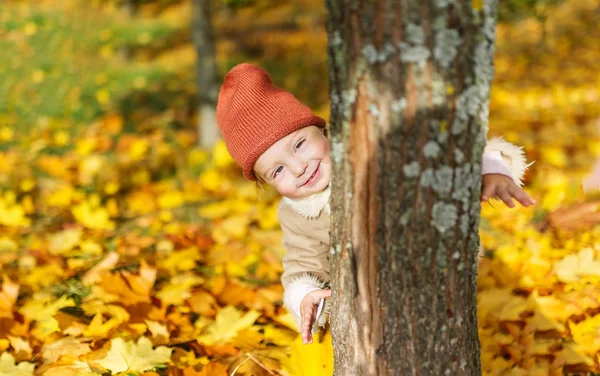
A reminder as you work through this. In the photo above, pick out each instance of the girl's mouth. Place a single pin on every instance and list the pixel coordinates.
(314, 176)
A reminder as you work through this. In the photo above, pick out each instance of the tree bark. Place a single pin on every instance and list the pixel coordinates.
(206, 72)
(129, 8)
(409, 90)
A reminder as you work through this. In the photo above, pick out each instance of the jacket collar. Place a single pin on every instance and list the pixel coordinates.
(311, 206)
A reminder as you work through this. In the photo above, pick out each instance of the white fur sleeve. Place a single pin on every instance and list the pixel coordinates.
(492, 163)
(295, 293)
(512, 155)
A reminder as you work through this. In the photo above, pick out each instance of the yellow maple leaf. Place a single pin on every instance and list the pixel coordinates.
(214, 210)
(234, 227)
(541, 323)
(70, 346)
(142, 283)
(268, 218)
(178, 289)
(43, 314)
(61, 197)
(573, 267)
(278, 335)
(287, 319)
(76, 369)
(9, 368)
(94, 274)
(228, 322)
(501, 304)
(136, 357)
(130, 287)
(8, 296)
(85, 146)
(64, 241)
(8, 245)
(572, 354)
(189, 358)
(96, 218)
(54, 165)
(555, 308)
(212, 180)
(20, 345)
(89, 167)
(90, 248)
(157, 329)
(181, 260)
(312, 359)
(211, 369)
(27, 185)
(170, 199)
(141, 202)
(585, 334)
(100, 329)
(44, 275)
(138, 149)
(12, 214)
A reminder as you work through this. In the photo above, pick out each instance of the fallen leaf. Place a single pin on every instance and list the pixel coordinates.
(128, 356)
(226, 325)
(9, 368)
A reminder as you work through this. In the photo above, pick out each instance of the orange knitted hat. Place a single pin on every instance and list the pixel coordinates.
(253, 114)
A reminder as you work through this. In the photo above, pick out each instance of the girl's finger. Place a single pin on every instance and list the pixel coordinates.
(505, 196)
(317, 295)
(307, 325)
(520, 195)
(306, 328)
(488, 191)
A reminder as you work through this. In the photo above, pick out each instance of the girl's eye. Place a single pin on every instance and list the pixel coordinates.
(280, 167)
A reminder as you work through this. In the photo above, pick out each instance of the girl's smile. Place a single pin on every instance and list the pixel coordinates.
(314, 176)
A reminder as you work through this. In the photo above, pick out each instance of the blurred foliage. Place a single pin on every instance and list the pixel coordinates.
(516, 10)
(69, 54)
(127, 250)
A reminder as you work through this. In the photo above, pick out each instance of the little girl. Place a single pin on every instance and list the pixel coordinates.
(277, 140)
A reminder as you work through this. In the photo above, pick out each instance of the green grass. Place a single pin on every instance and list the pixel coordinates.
(63, 66)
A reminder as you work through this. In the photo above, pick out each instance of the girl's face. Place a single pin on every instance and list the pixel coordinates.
(298, 165)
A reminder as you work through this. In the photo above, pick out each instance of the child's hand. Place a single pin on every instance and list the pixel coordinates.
(308, 312)
(498, 185)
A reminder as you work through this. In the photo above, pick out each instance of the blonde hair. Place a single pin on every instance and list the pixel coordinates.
(260, 185)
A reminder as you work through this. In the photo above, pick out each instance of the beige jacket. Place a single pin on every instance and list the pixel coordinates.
(305, 226)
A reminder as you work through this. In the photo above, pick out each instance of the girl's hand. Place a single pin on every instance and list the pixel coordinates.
(308, 312)
(498, 185)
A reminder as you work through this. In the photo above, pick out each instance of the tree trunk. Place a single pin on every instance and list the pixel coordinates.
(206, 72)
(129, 8)
(409, 90)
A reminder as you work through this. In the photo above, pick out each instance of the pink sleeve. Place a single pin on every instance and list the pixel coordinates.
(492, 163)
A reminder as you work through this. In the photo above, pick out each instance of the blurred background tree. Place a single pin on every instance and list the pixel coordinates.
(206, 72)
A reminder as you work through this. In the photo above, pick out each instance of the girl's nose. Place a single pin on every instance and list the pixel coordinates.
(300, 168)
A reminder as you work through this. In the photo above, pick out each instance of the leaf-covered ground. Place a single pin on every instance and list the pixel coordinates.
(126, 250)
